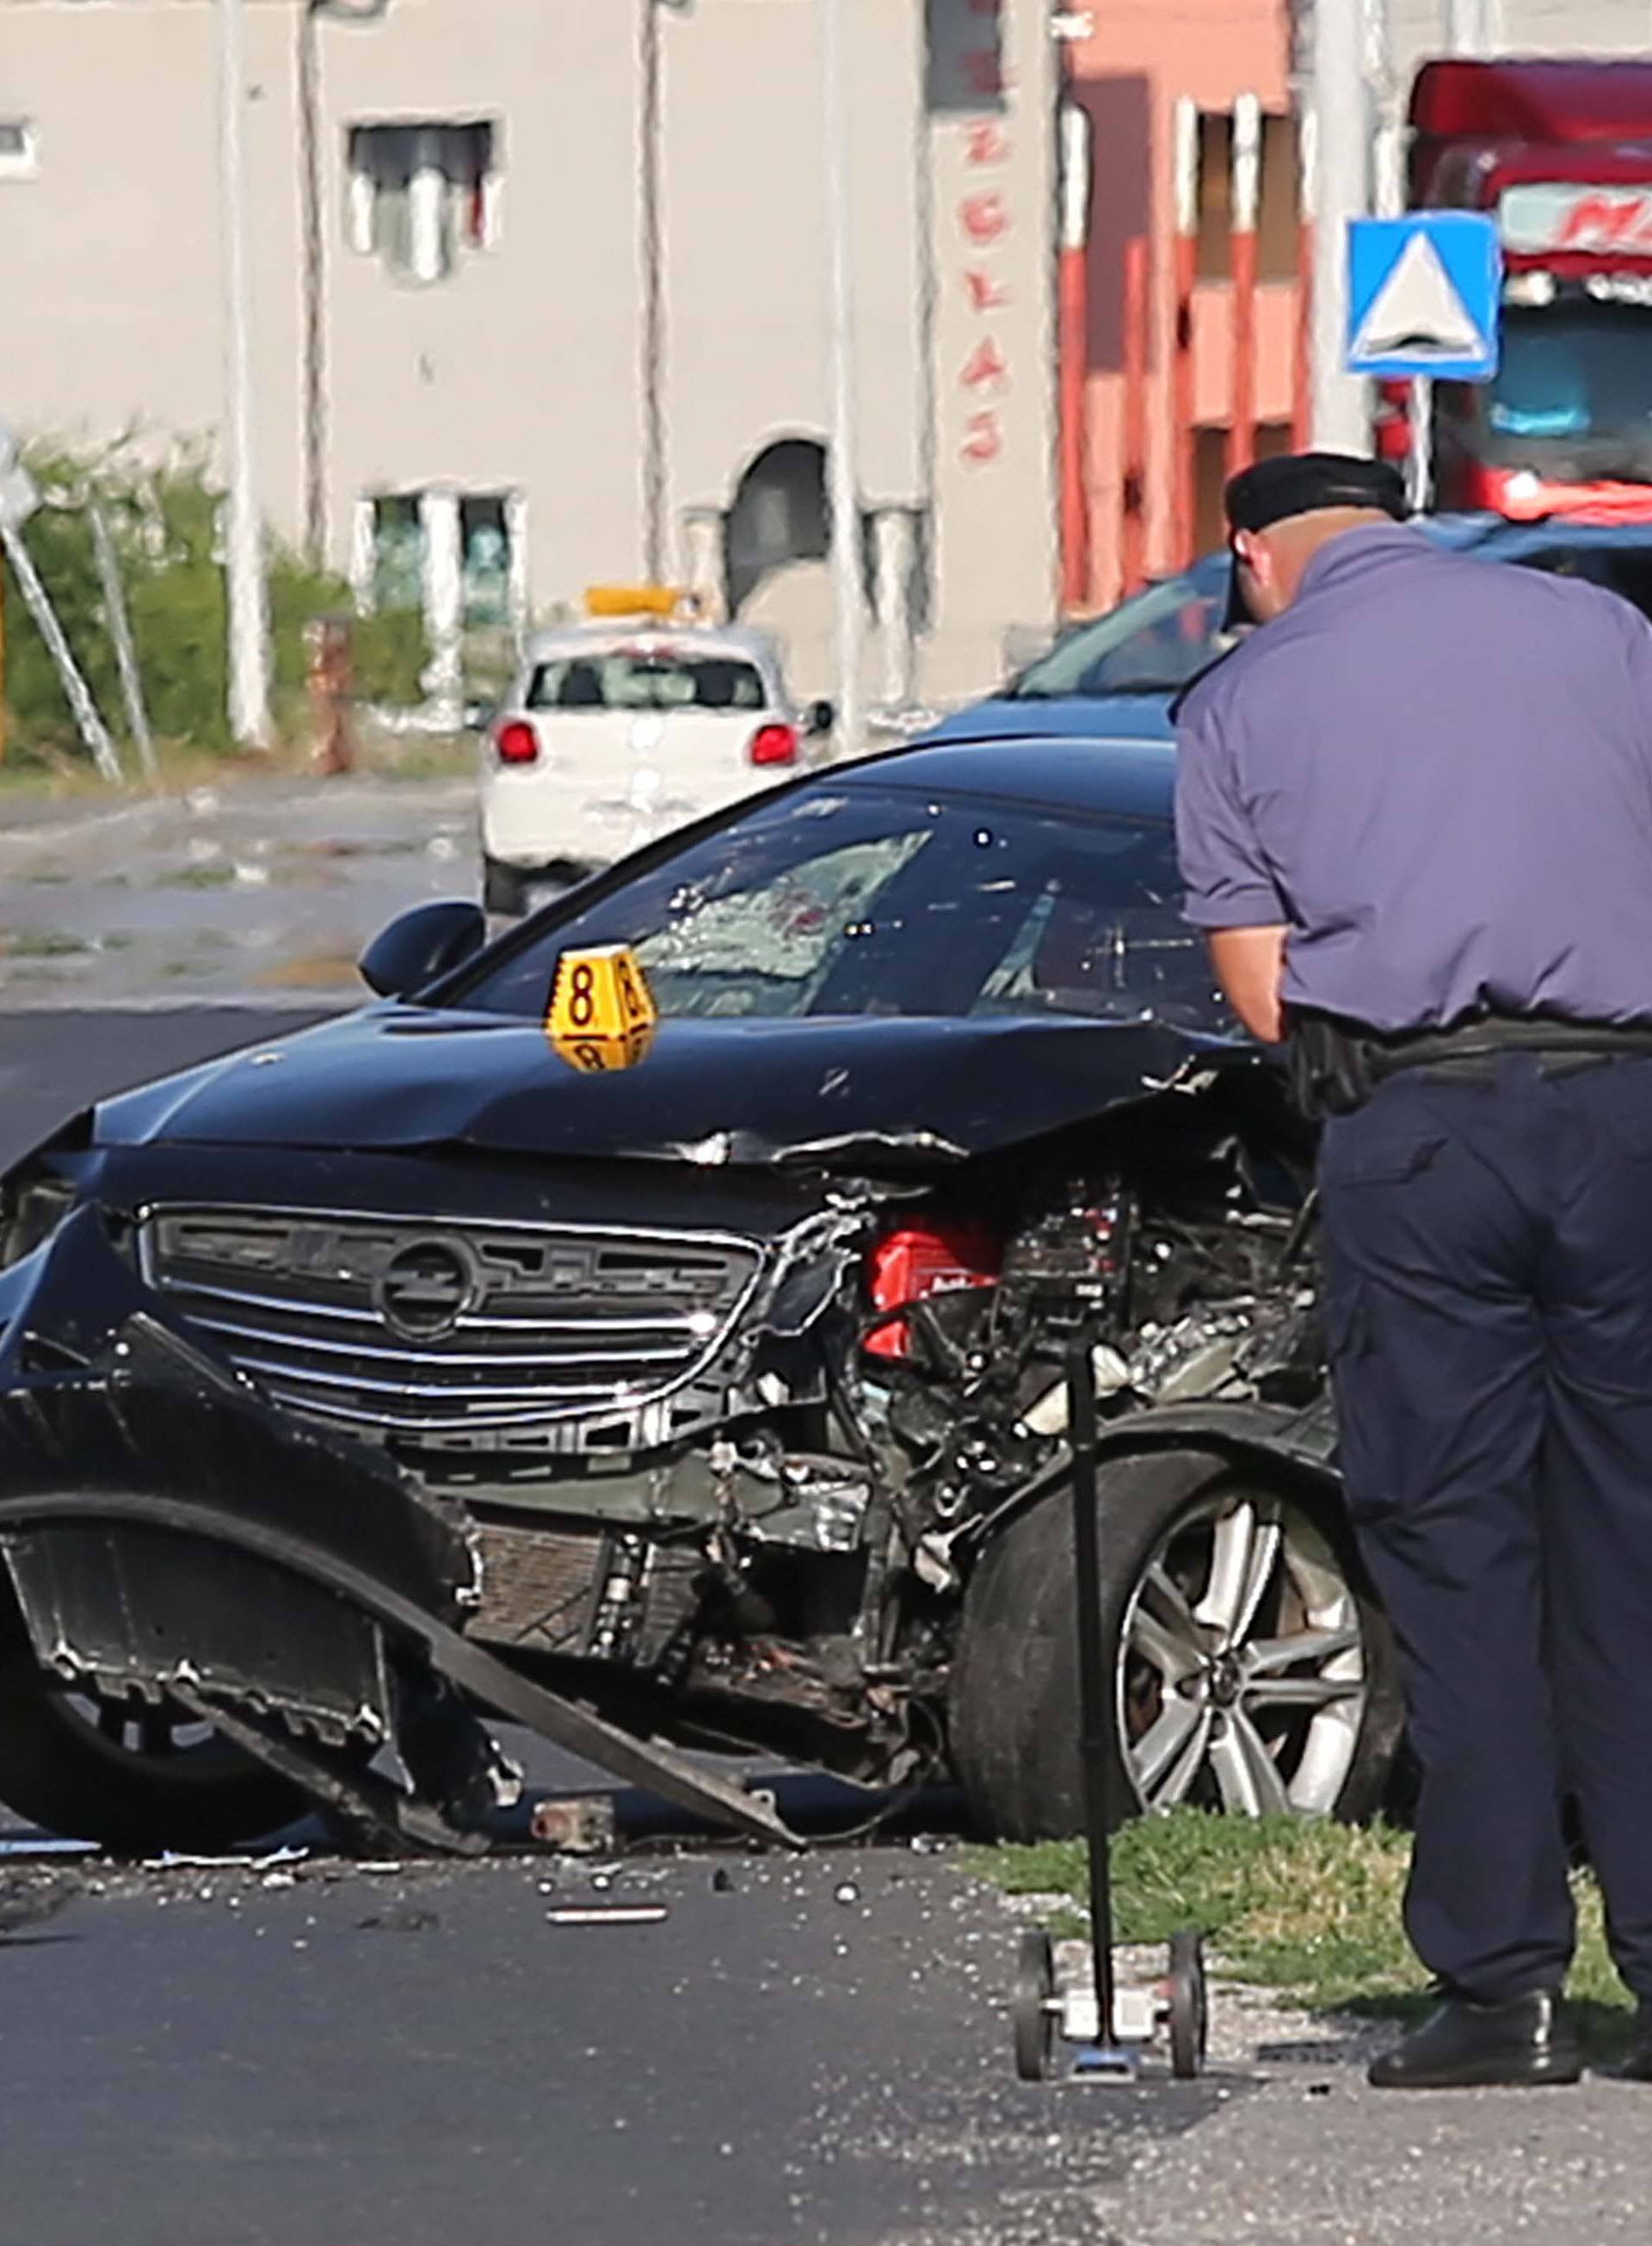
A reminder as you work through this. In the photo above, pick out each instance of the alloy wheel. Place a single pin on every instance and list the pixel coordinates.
(1242, 1679)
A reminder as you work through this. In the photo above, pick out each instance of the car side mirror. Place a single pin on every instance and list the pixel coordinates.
(821, 717)
(420, 944)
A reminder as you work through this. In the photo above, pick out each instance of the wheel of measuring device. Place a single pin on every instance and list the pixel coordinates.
(1032, 2008)
(1189, 2004)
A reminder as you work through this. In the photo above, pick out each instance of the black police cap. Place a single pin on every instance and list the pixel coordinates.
(1303, 483)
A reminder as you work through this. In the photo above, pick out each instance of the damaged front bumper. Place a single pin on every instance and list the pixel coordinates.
(168, 1535)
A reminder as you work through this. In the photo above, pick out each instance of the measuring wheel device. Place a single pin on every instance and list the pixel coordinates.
(1103, 2033)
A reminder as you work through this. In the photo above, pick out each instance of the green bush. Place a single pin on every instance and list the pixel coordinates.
(164, 526)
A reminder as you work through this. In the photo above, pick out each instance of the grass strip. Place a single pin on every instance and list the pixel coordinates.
(1299, 1905)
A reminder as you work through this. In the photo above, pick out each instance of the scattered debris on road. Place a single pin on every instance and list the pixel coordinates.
(608, 1913)
(577, 1826)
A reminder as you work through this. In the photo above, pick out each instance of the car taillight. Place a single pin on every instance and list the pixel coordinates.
(774, 745)
(516, 744)
(917, 1261)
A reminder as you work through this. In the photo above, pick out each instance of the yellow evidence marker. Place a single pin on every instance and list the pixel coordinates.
(601, 1013)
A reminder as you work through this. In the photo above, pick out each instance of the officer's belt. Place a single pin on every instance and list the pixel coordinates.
(1336, 1063)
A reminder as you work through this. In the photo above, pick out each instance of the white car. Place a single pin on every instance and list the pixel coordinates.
(616, 732)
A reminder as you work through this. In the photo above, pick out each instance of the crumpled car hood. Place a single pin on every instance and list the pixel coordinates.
(401, 1076)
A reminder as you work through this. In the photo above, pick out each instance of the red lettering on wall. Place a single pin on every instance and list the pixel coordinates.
(986, 144)
(982, 439)
(987, 292)
(984, 217)
(986, 367)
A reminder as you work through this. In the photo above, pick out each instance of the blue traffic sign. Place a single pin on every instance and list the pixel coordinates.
(1424, 295)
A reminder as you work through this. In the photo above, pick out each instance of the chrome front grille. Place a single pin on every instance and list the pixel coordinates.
(459, 1334)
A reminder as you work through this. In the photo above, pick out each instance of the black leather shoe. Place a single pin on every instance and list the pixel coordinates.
(1637, 2068)
(1464, 2045)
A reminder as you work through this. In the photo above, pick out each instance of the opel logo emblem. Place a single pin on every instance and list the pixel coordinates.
(426, 1287)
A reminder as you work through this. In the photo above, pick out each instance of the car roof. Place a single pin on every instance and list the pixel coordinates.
(1134, 778)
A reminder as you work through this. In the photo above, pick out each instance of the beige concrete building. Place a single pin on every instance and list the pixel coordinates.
(542, 294)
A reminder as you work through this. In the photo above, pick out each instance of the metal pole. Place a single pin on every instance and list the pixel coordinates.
(120, 622)
(314, 286)
(844, 482)
(1301, 392)
(1073, 355)
(1467, 31)
(1420, 413)
(1185, 410)
(1098, 1724)
(36, 599)
(1387, 98)
(652, 261)
(249, 604)
(1342, 111)
(1132, 545)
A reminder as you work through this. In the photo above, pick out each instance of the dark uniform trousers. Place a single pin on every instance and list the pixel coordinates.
(1488, 1289)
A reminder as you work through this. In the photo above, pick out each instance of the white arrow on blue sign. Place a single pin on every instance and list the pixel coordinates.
(1424, 293)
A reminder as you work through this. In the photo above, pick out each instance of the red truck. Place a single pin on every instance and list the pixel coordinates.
(1561, 154)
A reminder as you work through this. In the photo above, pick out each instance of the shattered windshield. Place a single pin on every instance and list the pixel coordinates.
(1153, 644)
(881, 902)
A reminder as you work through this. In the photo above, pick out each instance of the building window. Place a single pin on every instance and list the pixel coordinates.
(396, 576)
(420, 193)
(1278, 222)
(484, 559)
(394, 565)
(19, 154)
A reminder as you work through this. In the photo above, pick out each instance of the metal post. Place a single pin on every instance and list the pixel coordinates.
(651, 258)
(1246, 199)
(36, 599)
(1185, 401)
(114, 603)
(1302, 395)
(1073, 354)
(248, 597)
(844, 478)
(1133, 486)
(1387, 98)
(313, 376)
(1341, 103)
(1420, 467)
(1097, 1722)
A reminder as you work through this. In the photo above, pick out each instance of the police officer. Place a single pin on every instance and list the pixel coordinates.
(1415, 820)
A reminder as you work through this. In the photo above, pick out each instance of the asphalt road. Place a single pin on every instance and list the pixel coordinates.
(814, 2050)
(202, 2059)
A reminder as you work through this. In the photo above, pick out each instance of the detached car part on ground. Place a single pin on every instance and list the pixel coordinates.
(403, 1373)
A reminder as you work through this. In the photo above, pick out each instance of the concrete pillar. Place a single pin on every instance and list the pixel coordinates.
(702, 532)
(362, 554)
(444, 604)
(427, 213)
(520, 597)
(895, 562)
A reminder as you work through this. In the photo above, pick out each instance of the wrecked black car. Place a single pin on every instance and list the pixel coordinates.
(408, 1372)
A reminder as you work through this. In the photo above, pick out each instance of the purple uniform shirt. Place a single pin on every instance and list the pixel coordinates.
(1437, 772)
